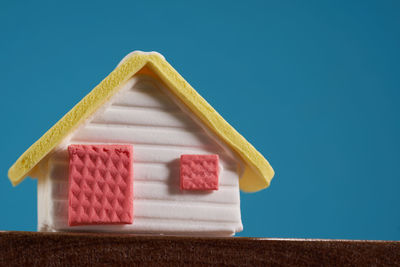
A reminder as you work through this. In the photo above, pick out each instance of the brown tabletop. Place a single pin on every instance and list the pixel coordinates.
(71, 249)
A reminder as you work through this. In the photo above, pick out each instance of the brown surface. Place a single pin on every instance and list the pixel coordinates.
(67, 249)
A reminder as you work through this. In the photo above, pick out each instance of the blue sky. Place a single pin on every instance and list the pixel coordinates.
(314, 86)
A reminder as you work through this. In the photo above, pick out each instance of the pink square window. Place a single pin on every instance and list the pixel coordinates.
(100, 184)
(199, 172)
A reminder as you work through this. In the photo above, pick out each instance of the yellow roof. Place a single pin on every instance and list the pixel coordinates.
(257, 172)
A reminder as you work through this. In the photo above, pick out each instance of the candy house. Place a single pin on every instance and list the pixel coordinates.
(143, 153)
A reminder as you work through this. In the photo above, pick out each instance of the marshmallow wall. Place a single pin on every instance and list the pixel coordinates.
(144, 115)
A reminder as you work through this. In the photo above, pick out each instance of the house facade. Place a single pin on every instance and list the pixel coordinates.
(142, 153)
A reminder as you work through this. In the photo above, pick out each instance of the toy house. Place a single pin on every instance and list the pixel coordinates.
(143, 152)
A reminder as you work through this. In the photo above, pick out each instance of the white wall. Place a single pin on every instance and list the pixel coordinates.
(160, 129)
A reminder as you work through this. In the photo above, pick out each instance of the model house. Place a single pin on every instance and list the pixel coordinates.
(143, 152)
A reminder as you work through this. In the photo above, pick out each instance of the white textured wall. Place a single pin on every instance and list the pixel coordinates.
(144, 115)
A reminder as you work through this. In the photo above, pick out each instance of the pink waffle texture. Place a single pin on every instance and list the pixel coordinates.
(100, 184)
(199, 172)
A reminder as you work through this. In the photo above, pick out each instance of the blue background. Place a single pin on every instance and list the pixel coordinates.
(313, 85)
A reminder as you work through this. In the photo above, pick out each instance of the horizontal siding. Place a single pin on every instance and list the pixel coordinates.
(167, 191)
(146, 172)
(148, 208)
(144, 116)
(149, 153)
(138, 134)
(143, 99)
(166, 226)
(140, 116)
(136, 93)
